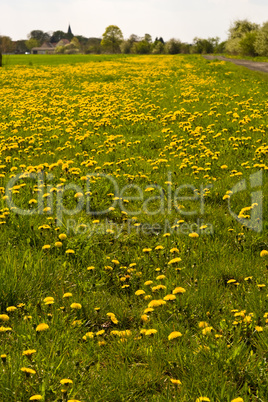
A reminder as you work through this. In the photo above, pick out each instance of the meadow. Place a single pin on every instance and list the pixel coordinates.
(134, 251)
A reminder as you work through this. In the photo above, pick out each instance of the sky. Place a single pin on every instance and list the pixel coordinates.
(180, 19)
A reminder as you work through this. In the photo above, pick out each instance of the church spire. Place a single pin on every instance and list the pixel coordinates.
(69, 33)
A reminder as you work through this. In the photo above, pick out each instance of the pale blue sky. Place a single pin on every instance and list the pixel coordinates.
(182, 19)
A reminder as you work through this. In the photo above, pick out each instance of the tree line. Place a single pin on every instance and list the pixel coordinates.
(244, 38)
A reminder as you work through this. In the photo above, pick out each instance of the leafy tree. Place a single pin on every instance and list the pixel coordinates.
(158, 48)
(173, 46)
(238, 31)
(147, 38)
(112, 38)
(247, 43)
(20, 46)
(141, 47)
(261, 42)
(6, 44)
(32, 43)
(203, 46)
(40, 36)
(57, 36)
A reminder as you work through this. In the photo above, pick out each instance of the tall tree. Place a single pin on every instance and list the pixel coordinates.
(112, 38)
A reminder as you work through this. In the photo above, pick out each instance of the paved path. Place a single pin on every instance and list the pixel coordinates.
(252, 65)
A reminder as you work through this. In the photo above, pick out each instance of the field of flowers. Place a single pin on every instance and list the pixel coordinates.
(134, 251)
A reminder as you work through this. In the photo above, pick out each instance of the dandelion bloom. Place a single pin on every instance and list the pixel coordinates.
(174, 260)
(46, 247)
(170, 297)
(139, 292)
(178, 290)
(237, 400)
(4, 317)
(58, 244)
(149, 332)
(5, 329)
(28, 371)
(28, 352)
(36, 398)
(68, 294)
(48, 299)
(148, 283)
(147, 250)
(73, 400)
(264, 253)
(62, 236)
(174, 335)
(69, 251)
(193, 235)
(175, 382)
(66, 381)
(113, 318)
(202, 399)
(41, 327)
(76, 306)
(156, 303)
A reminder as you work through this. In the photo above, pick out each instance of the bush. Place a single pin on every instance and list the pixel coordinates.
(261, 42)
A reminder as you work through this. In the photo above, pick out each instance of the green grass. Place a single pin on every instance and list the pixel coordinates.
(178, 133)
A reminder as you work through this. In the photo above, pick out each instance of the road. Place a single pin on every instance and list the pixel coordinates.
(252, 65)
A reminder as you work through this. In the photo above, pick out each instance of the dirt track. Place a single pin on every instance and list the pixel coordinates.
(252, 65)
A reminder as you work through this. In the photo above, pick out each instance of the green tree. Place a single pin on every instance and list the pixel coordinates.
(32, 43)
(173, 46)
(40, 36)
(247, 43)
(111, 39)
(57, 36)
(238, 32)
(6, 44)
(261, 42)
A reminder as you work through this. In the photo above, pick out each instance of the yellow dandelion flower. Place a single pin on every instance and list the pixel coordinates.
(90, 268)
(174, 260)
(58, 244)
(258, 328)
(175, 382)
(264, 253)
(28, 371)
(148, 283)
(149, 332)
(193, 235)
(76, 306)
(11, 308)
(156, 303)
(139, 292)
(48, 299)
(66, 381)
(4, 317)
(36, 397)
(66, 295)
(62, 236)
(46, 247)
(203, 399)
(42, 327)
(174, 335)
(237, 400)
(69, 251)
(178, 290)
(159, 248)
(28, 352)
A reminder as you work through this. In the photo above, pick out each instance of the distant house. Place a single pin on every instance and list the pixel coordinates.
(46, 48)
(49, 48)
